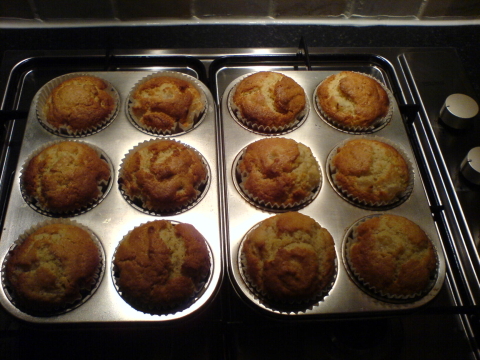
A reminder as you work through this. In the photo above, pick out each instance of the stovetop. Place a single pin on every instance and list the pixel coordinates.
(231, 329)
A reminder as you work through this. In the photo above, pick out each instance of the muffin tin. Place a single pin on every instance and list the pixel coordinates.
(223, 216)
(114, 217)
(328, 208)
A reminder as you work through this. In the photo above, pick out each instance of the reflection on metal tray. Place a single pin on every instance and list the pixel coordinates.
(113, 218)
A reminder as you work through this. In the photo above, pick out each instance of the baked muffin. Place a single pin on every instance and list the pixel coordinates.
(269, 101)
(65, 177)
(370, 172)
(79, 104)
(279, 172)
(53, 267)
(289, 257)
(163, 175)
(352, 100)
(163, 103)
(159, 265)
(392, 255)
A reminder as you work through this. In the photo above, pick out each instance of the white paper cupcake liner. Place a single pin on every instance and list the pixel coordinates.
(371, 290)
(236, 115)
(138, 203)
(85, 293)
(239, 180)
(360, 202)
(378, 124)
(103, 187)
(161, 309)
(44, 92)
(283, 306)
(177, 128)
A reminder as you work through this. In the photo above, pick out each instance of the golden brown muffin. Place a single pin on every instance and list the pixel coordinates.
(51, 268)
(163, 174)
(269, 99)
(79, 104)
(289, 257)
(65, 177)
(370, 171)
(279, 172)
(164, 102)
(352, 99)
(393, 255)
(160, 265)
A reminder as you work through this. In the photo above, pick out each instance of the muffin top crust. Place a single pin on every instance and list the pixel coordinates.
(79, 104)
(65, 176)
(269, 99)
(289, 257)
(370, 171)
(279, 171)
(352, 99)
(164, 102)
(393, 254)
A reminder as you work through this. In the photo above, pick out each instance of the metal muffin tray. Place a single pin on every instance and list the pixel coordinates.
(114, 217)
(328, 208)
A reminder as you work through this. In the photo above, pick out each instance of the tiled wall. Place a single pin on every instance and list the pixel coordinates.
(134, 10)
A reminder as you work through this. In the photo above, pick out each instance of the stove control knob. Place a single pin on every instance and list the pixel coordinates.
(458, 111)
(470, 167)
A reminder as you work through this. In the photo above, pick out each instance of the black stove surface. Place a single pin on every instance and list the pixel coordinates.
(230, 329)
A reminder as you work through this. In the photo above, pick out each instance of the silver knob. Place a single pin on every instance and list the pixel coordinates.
(458, 111)
(470, 166)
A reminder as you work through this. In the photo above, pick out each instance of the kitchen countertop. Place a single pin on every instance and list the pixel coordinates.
(464, 38)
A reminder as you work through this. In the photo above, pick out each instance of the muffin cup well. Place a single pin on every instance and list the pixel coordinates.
(375, 126)
(261, 129)
(239, 180)
(177, 128)
(103, 187)
(139, 204)
(85, 293)
(156, 309)
(43, 94)
(369, 289)
(298, 306)
(360, 202)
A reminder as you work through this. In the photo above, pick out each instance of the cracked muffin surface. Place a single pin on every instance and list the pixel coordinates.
(65, 177)
(289, 257)
(52, 266)
(165, 102)
(352, 99)
(392, 254)
(164, 175)
(160, 264)
(269, 99)
(370, 171)
(279, 172)
(79, 104)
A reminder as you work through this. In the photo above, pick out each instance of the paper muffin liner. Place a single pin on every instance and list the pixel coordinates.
(137, 202)
(239, 181)
(177, 128)
(371, 290)
(360, 202)
(43, 94)
(269, 301)
(261, 129)
(85, 293)
(376, 124)
(164, 309)
(103, 187)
